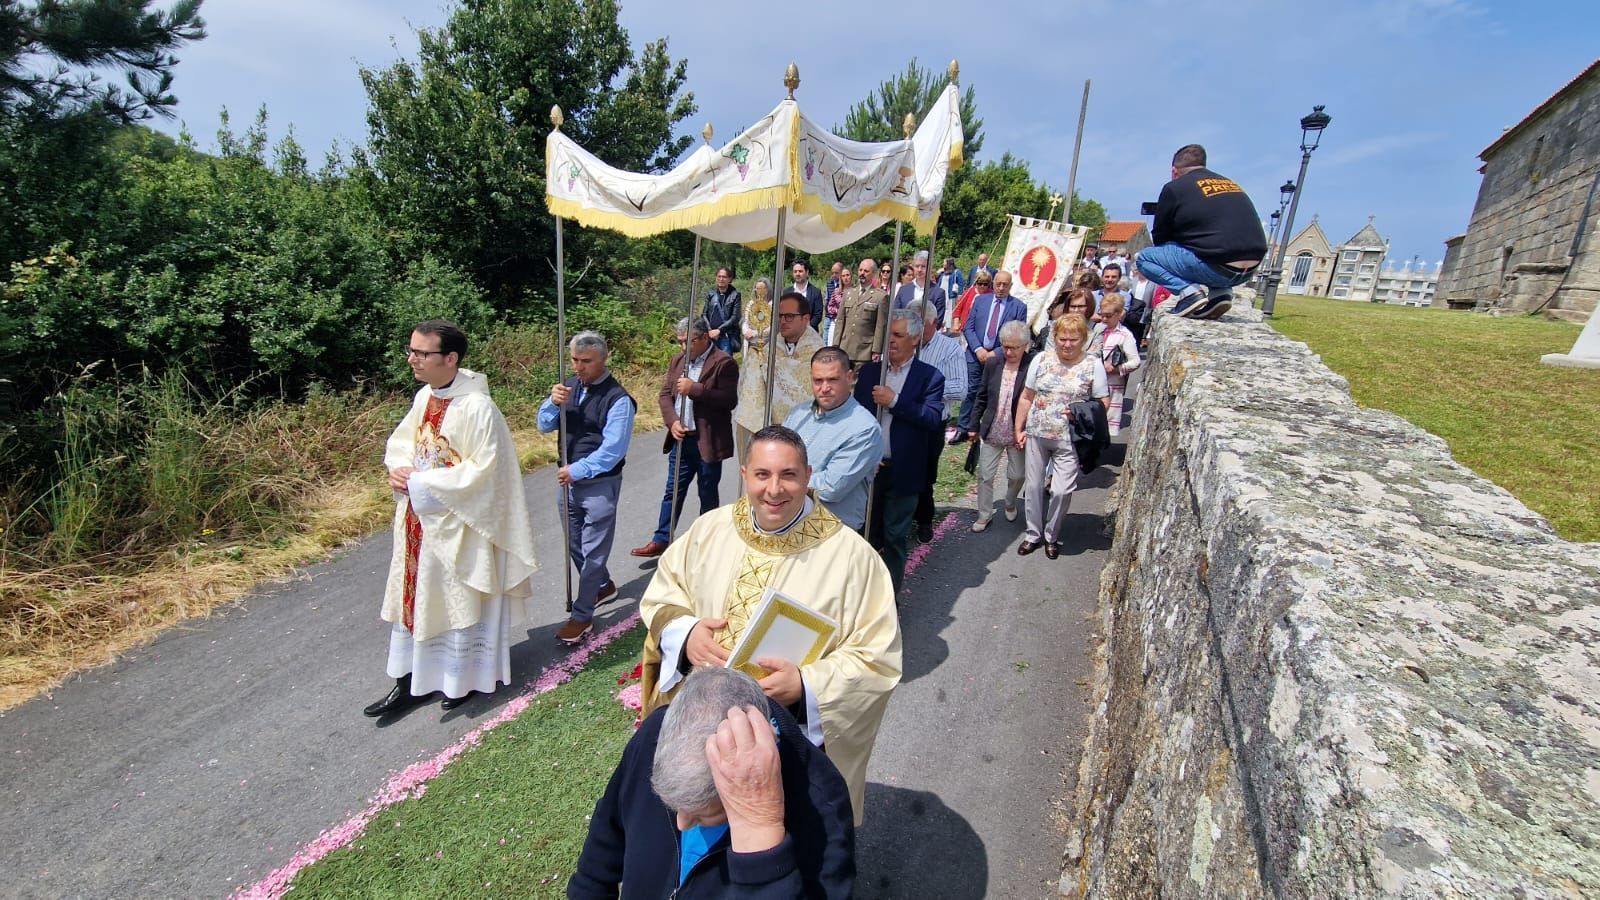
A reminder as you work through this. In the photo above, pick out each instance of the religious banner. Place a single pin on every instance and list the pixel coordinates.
(1039, 255)
(836, 190)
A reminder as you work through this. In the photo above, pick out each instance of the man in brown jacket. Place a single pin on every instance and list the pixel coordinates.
(697, 401)
(855, 331)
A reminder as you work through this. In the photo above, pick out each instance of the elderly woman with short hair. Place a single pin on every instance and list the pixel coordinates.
(1056, 380)
(995, 411)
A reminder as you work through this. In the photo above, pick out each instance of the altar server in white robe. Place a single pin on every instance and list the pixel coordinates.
(459, 579)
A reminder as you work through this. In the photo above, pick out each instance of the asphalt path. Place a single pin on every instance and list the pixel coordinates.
(198, 763)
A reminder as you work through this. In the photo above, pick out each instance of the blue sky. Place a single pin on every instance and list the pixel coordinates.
(1416, 88)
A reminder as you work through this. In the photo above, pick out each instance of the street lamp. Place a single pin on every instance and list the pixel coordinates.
(1284, 193)
(1311, 128)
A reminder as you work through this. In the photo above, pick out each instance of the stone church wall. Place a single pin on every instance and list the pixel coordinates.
(1334, 662)
(1532, 195)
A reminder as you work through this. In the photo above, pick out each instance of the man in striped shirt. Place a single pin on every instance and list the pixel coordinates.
(946, 354)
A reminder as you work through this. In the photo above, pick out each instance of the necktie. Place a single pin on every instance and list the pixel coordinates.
(994, 324)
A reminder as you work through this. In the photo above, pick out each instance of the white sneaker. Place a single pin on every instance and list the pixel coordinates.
(1011, 514)
(982, 523)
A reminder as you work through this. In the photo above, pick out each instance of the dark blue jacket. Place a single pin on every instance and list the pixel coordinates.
(906, 293)
(917, 414)
(633, 837)
(976, 327)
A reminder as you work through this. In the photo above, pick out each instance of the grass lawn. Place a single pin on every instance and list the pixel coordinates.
(509, 817)
(1477, 382)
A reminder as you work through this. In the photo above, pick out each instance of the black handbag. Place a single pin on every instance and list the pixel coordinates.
(1117, 357)
(971, 465)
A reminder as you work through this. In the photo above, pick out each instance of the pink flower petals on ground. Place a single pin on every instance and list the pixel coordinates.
(914, 561)
(412, 781)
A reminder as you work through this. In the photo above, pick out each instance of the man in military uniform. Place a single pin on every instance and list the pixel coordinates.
(862, 308)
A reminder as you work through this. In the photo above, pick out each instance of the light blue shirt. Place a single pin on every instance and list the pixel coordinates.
(694, 845)
(844, 446)
(613, 437)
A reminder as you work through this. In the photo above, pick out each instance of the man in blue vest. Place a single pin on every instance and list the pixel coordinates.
(598, 413)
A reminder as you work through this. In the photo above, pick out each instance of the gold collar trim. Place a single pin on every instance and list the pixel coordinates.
(807, 533)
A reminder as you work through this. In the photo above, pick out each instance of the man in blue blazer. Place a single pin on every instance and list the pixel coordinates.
(911, 392)
(982, 331)
(920, 288)
(982, 266)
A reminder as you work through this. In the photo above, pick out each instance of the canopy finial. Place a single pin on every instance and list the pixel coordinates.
(954, 72)
(556, 118)
(909, 125)
(706, 132)
(791, 78)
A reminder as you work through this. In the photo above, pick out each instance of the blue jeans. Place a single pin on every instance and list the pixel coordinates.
(724, 343)
(690, 467)
(1175, 268)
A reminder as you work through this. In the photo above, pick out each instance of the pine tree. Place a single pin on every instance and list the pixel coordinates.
(51, 52)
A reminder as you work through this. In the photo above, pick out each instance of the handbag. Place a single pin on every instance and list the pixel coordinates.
(1116, 357)
(971, 465)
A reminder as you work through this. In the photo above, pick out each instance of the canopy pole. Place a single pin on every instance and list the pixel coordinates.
(561, 416)
(678, 401)
(561, 377)
(772, 338)
(906, 127)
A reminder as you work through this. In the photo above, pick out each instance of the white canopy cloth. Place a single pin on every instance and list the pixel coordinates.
(836, 190)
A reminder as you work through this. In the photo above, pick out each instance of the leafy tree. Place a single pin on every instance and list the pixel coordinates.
(880, 116)
(75, 39)
(456, 158)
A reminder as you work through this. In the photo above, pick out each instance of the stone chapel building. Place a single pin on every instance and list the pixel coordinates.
(1531, 243)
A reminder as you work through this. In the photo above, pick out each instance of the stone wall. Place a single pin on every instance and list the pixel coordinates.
(1534, 188)
(1334, 662)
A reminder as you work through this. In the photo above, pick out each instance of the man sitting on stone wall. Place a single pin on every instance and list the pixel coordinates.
(1208, 238)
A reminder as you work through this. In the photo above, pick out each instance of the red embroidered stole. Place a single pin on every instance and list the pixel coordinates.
(432, 418)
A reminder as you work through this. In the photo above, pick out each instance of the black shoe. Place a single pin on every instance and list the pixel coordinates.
(1026, 547)
(453, 702)
(925, 533)
(1051, 551)
(398, 699)
(1216, 304)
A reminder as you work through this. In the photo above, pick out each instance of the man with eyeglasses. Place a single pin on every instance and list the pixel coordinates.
(855, 330)
(452, 462)
(791, 371)
(599, 415)
(697, 403)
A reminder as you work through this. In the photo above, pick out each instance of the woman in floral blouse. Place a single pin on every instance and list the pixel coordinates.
(1044, 429)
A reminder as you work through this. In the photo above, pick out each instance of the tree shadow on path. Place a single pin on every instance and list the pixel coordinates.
(913, 845)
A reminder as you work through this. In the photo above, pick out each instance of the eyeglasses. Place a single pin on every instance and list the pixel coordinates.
(790, 317)
(414, 353)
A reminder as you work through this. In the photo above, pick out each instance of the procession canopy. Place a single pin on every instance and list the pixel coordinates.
(836, 190)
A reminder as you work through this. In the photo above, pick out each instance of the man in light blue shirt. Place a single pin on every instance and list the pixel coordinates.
(843, 440)
(599, 423)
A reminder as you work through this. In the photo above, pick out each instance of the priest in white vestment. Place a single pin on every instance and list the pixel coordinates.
(712, 579)
(459, 579)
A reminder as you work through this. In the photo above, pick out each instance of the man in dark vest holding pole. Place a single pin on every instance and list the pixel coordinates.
(599, 423)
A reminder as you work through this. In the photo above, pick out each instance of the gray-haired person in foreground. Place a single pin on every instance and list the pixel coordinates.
(720, 795)
(599, 415)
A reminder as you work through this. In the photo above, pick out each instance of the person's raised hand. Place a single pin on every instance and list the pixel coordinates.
(744, 764)
(559, 394)
(702, 647)
(783, 682)
(883, 396)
